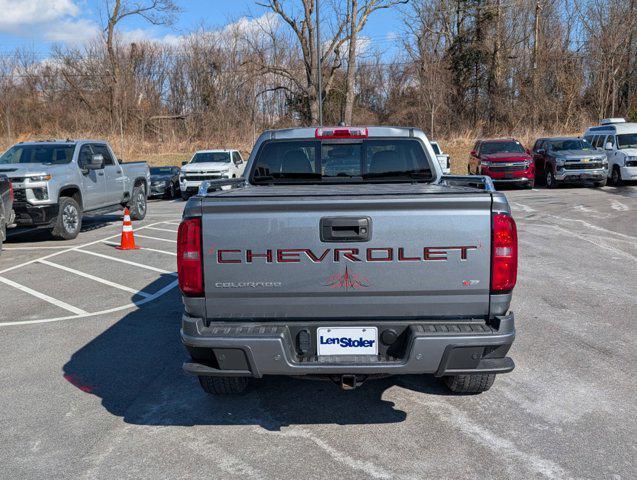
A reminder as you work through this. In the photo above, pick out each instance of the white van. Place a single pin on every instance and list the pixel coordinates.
(619, 139)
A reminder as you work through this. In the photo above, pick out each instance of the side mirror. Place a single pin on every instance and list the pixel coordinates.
(184, 163)
(608, 146)
(96, 163)
(473, 153)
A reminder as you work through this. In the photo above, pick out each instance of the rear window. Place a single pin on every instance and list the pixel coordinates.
(315, 161)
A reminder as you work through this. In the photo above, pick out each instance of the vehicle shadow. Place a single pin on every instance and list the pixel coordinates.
(135, 368)
(30, 234)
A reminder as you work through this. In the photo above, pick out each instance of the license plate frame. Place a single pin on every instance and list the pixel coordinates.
(332, 341)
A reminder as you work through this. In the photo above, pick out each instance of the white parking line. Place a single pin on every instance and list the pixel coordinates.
(171, 223)
(42, 296)
(69, 249)
(154, 296)
(34, 248)
(128, 262)
(144, 248)
(161, 229)
(157, 238)
(96, 279)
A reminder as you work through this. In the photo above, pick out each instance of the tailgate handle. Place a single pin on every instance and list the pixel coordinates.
(346, 229)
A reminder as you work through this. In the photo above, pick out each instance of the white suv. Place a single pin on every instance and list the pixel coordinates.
(619, 140)
(209, 165)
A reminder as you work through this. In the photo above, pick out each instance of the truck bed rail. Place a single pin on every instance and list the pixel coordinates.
(482, 182)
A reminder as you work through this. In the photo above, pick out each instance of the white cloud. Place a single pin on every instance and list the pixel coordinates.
(19, 14)
(72, 32)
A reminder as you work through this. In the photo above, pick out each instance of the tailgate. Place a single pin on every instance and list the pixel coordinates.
(426, 256)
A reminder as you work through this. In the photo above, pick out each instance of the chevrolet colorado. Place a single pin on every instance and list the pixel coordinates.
(56, 182)
(345, 254)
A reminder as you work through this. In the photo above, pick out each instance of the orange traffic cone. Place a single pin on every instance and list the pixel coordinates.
(128, 239)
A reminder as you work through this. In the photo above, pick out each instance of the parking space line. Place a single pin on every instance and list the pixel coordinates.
(157, 238)
(139, 303)
(70, 249)
(171, 223)
(161, 229)
(94, 278)
(128, 262)
(33, 248)
(144, 248)
(42, 296)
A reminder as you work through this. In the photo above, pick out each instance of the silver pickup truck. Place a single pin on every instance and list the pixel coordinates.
(56, 182)
(345, 254)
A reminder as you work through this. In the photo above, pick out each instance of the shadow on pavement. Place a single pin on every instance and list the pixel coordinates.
(30, 234)
(135, 368)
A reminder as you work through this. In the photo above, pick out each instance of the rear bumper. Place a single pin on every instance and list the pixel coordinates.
(34, 215)
(436, 347)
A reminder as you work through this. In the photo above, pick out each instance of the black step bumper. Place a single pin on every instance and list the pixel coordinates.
(269, 348)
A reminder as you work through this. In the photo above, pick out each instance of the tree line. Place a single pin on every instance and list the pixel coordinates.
(450, 66)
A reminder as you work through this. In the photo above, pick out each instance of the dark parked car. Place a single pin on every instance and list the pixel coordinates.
(164, 182)
(6, 207)
(504, 160)
(569, 160)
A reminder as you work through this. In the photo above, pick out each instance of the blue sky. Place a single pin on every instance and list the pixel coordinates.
(37, 24)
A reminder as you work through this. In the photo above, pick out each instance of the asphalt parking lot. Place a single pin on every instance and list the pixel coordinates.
(92, 385)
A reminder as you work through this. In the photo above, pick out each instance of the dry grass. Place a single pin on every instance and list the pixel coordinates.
(174, 152)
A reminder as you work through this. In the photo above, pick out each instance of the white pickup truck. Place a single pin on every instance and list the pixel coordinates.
(56, 182)
(443, 158)
(209, 165)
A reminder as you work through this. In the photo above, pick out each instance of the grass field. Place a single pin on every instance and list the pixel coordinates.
(162, 153)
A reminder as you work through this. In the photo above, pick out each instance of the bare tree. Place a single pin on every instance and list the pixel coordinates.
(358, 13)
(303, 27)
(156, 12)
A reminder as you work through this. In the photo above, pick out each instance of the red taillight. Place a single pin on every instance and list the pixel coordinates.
(504, 254)
(189, 257)
(340, 132)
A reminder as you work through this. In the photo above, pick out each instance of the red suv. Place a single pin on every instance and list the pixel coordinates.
(504, 160)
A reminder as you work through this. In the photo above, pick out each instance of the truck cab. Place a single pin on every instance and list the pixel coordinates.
(618, 140)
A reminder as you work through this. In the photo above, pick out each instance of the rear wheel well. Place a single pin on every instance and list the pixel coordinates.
(72, 192)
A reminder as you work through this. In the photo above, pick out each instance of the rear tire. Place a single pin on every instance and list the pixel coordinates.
(473, 383)
(68, 223)
(223, 385)
(137, 203)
